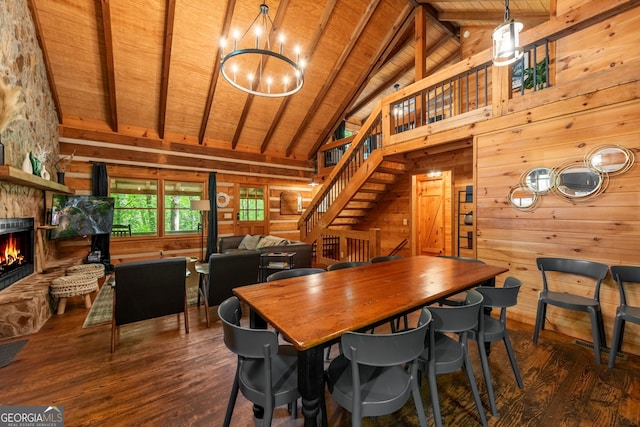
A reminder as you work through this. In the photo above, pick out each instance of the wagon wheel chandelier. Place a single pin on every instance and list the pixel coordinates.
(254, 67)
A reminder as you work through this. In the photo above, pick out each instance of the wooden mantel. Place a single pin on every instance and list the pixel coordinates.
(18, 176)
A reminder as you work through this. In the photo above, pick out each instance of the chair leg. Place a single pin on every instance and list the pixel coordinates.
(540, 315)
(487, 376)
(474, 388)
(603, 337)
(512, 359)
(417, 399)
(232, 399)
(186, 316)
(435, 401)
(618, 331)
(595, 332)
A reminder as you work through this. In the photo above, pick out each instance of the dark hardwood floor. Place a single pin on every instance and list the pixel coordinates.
(160, 376)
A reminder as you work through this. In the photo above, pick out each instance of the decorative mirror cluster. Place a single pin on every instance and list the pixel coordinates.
(573, 181)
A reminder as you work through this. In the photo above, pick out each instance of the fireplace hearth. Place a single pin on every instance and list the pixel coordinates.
(16, 250)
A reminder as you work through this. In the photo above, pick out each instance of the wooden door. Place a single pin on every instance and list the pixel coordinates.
(430, 215)
(251, 208)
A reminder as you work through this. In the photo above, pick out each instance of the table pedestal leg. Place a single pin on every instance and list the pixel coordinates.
(311, 384)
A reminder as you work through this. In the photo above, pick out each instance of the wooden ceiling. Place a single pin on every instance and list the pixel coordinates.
(150, 68)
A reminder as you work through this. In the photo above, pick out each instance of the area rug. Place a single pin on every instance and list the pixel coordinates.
(100, 312)
(8, 351)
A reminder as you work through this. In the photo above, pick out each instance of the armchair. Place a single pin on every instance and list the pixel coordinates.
(148, 289)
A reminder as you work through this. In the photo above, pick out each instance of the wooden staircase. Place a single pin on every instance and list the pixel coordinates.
(365, 199)
(355, 186)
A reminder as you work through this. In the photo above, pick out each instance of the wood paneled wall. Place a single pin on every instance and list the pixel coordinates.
(389, 214)
(138, 248)
(604, 229)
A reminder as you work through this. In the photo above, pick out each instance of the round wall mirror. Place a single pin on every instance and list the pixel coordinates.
(611, 159)
(521, 197)
(538, 180)
(577, 181)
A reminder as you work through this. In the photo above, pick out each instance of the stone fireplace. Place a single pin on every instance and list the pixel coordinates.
(16, 250)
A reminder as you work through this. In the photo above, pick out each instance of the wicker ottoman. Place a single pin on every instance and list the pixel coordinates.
(73, 285)
(94, 270)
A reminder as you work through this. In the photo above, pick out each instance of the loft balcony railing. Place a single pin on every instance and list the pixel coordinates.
(430, 104)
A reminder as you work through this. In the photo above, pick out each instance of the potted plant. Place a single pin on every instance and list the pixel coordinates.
(540, 76)
(62, 164)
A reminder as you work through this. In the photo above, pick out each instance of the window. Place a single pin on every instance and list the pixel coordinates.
(136, 205)
(140, 205)
(178, 216)
(251, 204)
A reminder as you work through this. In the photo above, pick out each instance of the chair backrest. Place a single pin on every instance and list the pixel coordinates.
(462, 258)
(385, 258)
(594, 270)
(625, 274)
(245, 342)
(457, 318)
(228, 271)
(507, 296)
(488, 282)
(346, 264)
(387, 349)
(149, 289)
(294, 272)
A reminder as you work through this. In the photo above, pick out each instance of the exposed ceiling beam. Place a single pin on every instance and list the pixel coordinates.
(328, 11)
(404, 38)
(47, 61)
(380, 89)
(166, 64)
(392, 34)
(231, 4)
(355, 35)
(492, 17)
(110, 66)
(435, 16)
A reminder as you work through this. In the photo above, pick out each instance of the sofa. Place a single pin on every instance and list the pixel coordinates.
(267, 244)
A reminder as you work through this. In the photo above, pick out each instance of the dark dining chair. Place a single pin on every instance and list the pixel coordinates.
(266, 372)
(377, 373)
(346, 264)
(294, 272)
(445, 354)
(625, 276)
(491, 329)
(385, 258)
(570, 301)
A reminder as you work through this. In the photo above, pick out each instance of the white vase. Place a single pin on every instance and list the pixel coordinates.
(26, 165)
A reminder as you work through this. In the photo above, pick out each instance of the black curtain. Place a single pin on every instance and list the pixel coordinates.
(212, 229)
(100, 187)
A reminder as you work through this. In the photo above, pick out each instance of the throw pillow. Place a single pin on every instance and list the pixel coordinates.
(269, 241)
(249, 242)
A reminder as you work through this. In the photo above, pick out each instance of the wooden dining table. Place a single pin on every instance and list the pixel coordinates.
(312, 312)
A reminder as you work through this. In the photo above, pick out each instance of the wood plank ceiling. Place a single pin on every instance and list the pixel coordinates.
(150, 68)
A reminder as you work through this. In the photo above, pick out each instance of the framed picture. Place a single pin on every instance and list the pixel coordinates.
(517, 72)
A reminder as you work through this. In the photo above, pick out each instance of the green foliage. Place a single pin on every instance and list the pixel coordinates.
(540, 77)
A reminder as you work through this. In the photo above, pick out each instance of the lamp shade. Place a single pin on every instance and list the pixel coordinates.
(506, 43)
(200, 205)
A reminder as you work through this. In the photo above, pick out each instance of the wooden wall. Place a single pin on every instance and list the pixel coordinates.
(397, 205)
(594, 102)
(605, 229)
(136, 248)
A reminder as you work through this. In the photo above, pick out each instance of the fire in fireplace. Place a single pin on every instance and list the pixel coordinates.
(16, 250)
